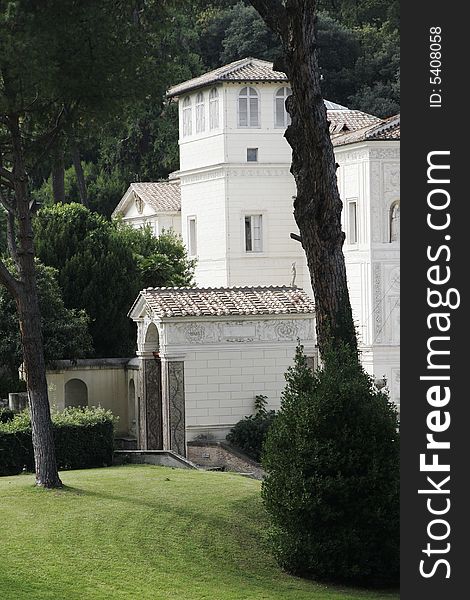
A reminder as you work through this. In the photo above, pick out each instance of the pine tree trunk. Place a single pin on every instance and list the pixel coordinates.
(26, 296)
(317, 206)
(58, 177)
(79, 174)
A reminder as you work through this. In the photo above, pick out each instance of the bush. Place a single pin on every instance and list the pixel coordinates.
(6, 414)
(249, 434)
(84, 438)
(332, 489)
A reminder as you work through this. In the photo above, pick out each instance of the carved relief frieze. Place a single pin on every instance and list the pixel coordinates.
(246, 172)
(391, 177)
(176, 403)
(384, 153)
(239, 332)
(378, 303)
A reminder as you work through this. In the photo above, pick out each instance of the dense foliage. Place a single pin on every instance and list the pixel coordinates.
(248, 435)
(6, 414)
(135, 138)
(332, 490)
(103, 265)
(65, 330)
(83, 437)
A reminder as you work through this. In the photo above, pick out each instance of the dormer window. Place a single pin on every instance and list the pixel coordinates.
(200, 117)
(248, 108)
(281, 116)
(187, 117)
(214, 109)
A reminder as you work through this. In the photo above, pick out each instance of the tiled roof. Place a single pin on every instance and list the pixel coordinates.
(343, 121)
(162, 196)
(255, 70)
(388, 129)
(246, 69)
(190, 302)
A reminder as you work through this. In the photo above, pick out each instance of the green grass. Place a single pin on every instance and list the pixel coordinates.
(143, 532)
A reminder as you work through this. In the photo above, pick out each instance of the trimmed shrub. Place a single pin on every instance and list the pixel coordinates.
(249, 434)
(332, 489)
(84, 438)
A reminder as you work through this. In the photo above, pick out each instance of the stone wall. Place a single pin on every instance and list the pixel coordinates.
(220, 455)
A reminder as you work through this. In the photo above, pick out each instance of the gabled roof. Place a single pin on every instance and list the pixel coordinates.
(202, 302)
(162, 196)
(343, 121)
(246, 69)
(388, 129)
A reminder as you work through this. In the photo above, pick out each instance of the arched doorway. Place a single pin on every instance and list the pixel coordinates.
(76, 393)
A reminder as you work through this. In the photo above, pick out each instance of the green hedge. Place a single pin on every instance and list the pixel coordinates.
(84, 438)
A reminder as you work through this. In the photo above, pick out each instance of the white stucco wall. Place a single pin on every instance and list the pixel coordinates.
(107, 386)
(228, 361)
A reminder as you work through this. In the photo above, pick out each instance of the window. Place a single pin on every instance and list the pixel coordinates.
(248, 108)
(281, 116)
(187, 120)
(395, 222)
(200, 117)
(252, 154)
(214, 109)
(253, 233)
(192, 236)
(352, 222)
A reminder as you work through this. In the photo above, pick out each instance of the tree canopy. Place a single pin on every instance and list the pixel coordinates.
(103, 265)
(65, 330)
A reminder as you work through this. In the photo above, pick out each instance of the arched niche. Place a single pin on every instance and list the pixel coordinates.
(395, 221)
(152, 339)
(76, 393)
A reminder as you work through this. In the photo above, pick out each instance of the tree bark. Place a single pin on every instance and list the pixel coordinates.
(75, 151)
(58, 176)
(24, 290)
(317, 206)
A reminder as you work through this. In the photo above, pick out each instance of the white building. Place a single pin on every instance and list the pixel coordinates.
(235, 210)
(206, 354)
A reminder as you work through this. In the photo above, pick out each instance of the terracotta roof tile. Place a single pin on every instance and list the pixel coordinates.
(192, 302)
(246, 69)
(388, 129)
(163, 196)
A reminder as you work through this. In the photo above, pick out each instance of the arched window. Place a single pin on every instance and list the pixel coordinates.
(214, 109)
(281, 116)
(76, 393)
(187, 117)
(200, 117)
(248, 108)
(395, 221)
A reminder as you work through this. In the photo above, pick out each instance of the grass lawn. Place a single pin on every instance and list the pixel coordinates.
(143, 532)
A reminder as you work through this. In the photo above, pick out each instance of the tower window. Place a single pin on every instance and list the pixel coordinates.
(200, 116)
(281, 116)
(214, 109)
(192, 236)
(253, 233)
(252, 154)
(187, 117)
(248, 108)
(352, 222)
